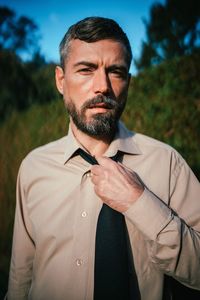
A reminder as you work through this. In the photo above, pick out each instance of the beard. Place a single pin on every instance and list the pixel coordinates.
(101, 125)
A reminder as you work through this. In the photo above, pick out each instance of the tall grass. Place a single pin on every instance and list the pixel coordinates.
(18, 135)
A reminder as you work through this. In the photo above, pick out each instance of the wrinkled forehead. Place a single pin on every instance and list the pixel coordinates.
(103, 51)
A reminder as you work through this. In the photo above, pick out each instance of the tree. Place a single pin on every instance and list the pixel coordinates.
(17, 34)
(173, 30)
(20, 84)
(16, 85)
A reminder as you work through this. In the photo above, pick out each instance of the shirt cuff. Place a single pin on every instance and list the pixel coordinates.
(149, 214)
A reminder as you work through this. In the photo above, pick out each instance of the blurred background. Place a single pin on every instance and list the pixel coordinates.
(164, 96)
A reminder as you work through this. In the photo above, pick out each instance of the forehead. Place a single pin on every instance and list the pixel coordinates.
(100, 52)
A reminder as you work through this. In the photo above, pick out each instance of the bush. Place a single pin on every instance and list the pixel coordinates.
(23, 84)
(164, 102)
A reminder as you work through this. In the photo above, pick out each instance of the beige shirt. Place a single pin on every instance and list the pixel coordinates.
(57, 211)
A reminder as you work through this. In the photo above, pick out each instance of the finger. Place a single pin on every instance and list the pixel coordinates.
(123, 170)
(95, 179)
(125, 167)
(131, 176)
(105, 161)
(96, 170)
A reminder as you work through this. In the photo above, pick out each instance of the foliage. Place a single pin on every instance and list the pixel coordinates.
(164, 102)
(44, 83)
(17, 33)
(22, 132)
(172, 30)
(16, 86)
(23, 84)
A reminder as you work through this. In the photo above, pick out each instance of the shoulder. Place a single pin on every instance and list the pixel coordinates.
(147, 143)
(161, 152)
(47, 154)
(52, 148)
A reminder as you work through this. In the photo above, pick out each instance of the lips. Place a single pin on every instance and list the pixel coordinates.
(101, 105)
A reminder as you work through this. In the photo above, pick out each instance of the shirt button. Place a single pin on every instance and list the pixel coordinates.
(84, 214)
(88, 174)
(79, 262)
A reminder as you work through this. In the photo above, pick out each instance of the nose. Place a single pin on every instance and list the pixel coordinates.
(101, 82)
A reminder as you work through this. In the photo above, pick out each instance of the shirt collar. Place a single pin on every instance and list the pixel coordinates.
(71, 145)
(123, 142)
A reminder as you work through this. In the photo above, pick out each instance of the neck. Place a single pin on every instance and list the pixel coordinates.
(96, 146)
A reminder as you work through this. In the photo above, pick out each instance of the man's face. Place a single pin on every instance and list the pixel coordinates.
(94, 85)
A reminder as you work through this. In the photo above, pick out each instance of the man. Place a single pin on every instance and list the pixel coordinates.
(58, 235)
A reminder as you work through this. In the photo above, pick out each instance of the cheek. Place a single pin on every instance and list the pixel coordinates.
(77, 89)
(120, 89)
(76, 93)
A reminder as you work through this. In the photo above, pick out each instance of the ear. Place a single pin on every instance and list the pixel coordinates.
(59, 76)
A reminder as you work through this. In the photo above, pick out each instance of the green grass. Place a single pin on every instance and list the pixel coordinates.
(18, 135)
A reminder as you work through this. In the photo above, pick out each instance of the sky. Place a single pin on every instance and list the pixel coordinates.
(54, 17)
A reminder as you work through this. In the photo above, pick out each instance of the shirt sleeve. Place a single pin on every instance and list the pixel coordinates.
(23, 248)
(172, 230)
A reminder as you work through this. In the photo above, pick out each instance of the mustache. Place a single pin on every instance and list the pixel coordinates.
(109, 102)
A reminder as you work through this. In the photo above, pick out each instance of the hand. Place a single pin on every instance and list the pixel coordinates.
(117, 186)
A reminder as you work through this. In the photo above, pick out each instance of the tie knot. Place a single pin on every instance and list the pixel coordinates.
(91, 159)
(86, 156)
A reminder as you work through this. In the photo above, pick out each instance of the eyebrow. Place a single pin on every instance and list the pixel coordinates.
(110, 68)
(85, 63)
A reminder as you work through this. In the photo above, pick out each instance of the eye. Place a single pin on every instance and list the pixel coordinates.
(119, 73)
(85, 71)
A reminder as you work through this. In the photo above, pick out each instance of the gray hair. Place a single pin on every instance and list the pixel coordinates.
(93, 29)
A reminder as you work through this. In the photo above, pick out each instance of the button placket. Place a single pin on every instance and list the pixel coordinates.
(86, 176)
(86, 206)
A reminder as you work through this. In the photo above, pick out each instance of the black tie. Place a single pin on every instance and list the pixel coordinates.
(113, 261)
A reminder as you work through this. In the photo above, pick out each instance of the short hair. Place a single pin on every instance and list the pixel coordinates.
(93, 29)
